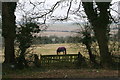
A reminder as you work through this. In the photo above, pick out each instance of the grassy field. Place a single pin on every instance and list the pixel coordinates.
(50, 49)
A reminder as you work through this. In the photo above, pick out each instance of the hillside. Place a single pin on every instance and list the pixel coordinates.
(60, 30)
(68, 29)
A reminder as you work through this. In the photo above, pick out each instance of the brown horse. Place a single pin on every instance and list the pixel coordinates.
(61, 49)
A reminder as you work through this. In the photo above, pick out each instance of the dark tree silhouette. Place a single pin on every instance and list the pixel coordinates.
(25, 38)
(99, 19)
(87, 40)
(8, 29)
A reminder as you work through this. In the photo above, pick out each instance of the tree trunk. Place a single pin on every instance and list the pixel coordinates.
(8, 29)
(105, 56)
(9, 50)
(100, 22)
(118, 34)
(92, 57)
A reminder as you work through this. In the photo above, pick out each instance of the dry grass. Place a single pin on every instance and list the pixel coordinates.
(50, 49)
(63, 73)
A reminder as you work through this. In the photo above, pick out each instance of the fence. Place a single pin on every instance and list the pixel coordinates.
(52, 59)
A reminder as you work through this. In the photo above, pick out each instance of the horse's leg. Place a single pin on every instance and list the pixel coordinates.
(65, 51)
(58, 52)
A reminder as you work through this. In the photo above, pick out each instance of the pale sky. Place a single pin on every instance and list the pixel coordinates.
(60, 11)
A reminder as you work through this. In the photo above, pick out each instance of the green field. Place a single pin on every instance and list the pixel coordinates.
(50, 49)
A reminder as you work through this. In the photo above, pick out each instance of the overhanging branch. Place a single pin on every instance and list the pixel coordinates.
(68, 11)
(50, 11)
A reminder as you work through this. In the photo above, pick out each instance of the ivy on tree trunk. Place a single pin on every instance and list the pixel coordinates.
(100, 20)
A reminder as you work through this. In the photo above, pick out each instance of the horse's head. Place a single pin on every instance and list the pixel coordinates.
(61, 49)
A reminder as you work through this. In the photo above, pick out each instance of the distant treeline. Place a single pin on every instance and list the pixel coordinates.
(68, 39)
(55, 39)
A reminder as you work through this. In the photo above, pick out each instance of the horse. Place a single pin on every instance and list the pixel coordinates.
(61, 49)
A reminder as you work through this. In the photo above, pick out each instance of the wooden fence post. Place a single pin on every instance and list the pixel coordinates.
(40, 59)
(36, 60)
(80, 60)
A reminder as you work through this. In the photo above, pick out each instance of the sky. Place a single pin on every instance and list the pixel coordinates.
(59, 12)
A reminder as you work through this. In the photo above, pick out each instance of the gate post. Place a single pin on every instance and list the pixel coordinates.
(40, 59)
(80, 60)
(36, 60)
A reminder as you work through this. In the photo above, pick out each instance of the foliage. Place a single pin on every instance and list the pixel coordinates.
(87, 39)
(56, 39)
(87, 35)
(114, 47)
(25, 35)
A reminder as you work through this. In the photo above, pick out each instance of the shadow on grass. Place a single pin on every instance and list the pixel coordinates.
(7, 71)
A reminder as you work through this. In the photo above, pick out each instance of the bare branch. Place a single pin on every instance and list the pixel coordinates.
(50, 11)
(115, 11)
(78, 7)
(113, 18)
(68, 11)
